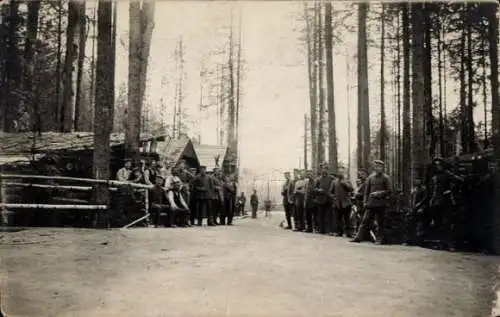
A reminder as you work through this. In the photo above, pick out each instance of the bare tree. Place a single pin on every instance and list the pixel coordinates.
(104, 101)
(140, 33)
(82, 40)
(363, 102)
(332, 133)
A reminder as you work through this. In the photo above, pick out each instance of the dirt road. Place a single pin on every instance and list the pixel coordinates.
(253, 268)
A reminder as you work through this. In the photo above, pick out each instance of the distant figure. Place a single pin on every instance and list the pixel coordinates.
(242, 200)
(202, 189)
(254, 202)
(267, 206)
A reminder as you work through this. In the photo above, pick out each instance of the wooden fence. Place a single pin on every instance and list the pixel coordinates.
(79, 205)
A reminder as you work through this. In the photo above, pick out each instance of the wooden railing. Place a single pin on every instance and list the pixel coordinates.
(4, 205)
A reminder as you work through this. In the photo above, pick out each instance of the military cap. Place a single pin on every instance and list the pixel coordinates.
(379, 162)
(437, 159)
(203, 166)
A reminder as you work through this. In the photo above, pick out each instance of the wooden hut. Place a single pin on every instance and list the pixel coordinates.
(76, 148)
(211, 156)
(174, 150)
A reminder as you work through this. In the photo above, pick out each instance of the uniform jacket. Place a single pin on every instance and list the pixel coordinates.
(254, 200)
(323, 190)
(342, 190)
(287, 191)
(380, 184)
(203, 187)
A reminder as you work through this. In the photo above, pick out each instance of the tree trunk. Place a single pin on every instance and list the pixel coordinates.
(398, 96)
(484, 93)
(427, 68)
(495, 111)
(29, 56)
(470, 74)
(463, 95)
(311, 62)
(232, 107)
(440, 85)
(13, 70)
(141, 28)
(332, 129)
(406, 162)
(92, 70)
(383, 127)
(104, 102)
(364, 142)
(113, 47)
(82, 39)
(321, 90)
(418, 86)
(305, 143)
(70, 65)
(57, 108)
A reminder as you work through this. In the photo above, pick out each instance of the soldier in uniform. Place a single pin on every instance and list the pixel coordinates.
(300, 191)
(376, 198)
(254, 203)
(230, 193)
(218, 198)
(287, 194)
(342, 204)
(416, 212)
(323, 199)
(441, 203)
(203, 187)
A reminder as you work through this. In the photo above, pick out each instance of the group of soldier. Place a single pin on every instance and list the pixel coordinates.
(447, 206)
(323, 203)
(182, 196)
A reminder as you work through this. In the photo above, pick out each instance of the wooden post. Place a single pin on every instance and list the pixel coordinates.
(4, 220)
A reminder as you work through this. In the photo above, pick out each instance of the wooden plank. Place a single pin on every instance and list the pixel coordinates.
(136, 221)
(76, 179)
(78, 188)
(50, 206)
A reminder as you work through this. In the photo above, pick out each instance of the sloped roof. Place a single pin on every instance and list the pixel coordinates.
(208, 153)
(174, 149)
(19, 143)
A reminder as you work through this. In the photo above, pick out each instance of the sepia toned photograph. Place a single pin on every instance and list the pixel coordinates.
(293, 158)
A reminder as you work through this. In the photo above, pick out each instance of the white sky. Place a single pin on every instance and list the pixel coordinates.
(275, 85)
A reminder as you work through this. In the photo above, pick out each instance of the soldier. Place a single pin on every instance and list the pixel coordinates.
(203, 187)
(377, 191)
(177, 204)
(299, 192)
(218, 198)
(286, 192)
(323, 199)
(159, 205)
(254, 202)
(309, 201)
(441, 202)
(342, 189)
(230, 191)
(241, 204)
(416, 213)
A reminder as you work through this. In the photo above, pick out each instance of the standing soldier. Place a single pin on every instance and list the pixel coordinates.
(217, 199)
(230, 192)
(254, 202)
(417, 211)
(241, 204)
(309, 202)
(300, 192)
(441, 202)
(343, 204)
(323, 198)
(286, 192)
(202, 186)
(376, 198)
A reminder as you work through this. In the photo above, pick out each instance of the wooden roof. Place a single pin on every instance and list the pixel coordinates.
(174, 149)
(22, 143)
